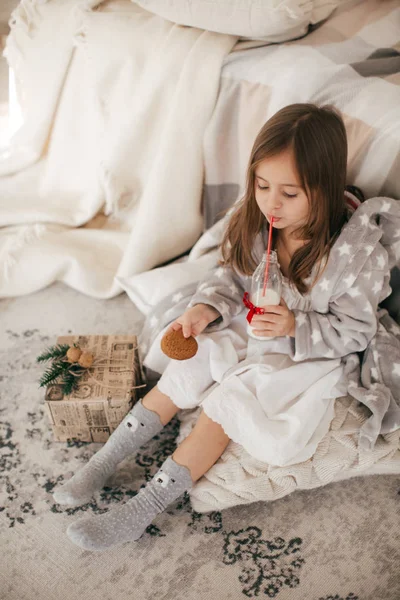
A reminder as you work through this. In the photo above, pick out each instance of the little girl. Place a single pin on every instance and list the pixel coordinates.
(274, 396)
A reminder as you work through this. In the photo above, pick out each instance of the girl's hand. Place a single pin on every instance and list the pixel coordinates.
(195, 319)
(276, 321)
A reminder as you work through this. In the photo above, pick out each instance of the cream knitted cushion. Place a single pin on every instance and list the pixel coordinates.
(238, 478)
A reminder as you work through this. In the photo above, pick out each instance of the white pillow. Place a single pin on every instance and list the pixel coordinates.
(270, 20)
(150, 287)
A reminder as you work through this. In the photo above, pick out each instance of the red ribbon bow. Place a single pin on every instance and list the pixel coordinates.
(254, 310)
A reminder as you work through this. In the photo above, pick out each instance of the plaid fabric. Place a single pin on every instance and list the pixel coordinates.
(351, 61)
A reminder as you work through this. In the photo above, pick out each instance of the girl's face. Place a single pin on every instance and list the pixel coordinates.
(279, 193)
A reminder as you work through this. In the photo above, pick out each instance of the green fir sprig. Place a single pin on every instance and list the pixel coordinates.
(54, 373)
(70, 381)
(54, 352)
(60, 370)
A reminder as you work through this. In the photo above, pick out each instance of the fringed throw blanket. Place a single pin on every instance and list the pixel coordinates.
(106, 172)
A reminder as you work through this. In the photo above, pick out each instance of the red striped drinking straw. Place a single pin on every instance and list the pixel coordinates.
(268, 255)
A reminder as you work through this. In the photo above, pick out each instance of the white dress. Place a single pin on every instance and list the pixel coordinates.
(276, 408)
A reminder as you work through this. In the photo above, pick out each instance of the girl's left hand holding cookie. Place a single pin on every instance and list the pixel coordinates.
(277, 320)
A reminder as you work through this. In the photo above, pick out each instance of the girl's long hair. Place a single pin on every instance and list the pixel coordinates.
(317, 138)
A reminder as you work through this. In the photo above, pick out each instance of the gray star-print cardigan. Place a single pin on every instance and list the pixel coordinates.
(345, 320)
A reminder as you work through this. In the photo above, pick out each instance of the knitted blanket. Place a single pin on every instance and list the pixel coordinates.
(238, 478)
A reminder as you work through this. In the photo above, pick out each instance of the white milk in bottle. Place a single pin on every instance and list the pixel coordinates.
(273, 288)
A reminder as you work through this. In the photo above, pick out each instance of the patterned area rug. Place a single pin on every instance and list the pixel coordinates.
(339, 542)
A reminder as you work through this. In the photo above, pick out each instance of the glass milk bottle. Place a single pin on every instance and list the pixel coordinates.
(273, 288)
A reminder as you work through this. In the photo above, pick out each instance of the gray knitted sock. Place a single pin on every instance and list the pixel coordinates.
(128, 522)
(138, 427)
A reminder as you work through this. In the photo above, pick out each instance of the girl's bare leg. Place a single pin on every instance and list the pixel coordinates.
(202, 448)
(161, 404)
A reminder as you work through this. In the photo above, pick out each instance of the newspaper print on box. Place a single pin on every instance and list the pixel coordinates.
(105, 394)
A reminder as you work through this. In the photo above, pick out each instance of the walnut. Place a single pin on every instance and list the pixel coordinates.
(86, 360)
(73, 354)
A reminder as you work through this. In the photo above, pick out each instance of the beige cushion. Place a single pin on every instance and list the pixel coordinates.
(270, 20)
